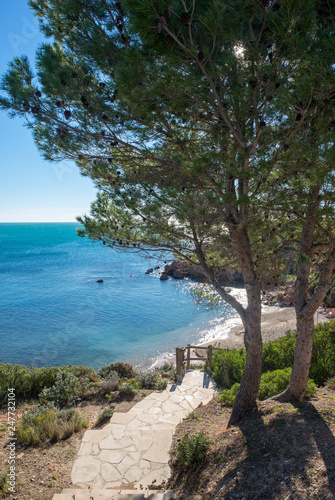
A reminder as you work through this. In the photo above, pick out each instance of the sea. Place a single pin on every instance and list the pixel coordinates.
(53, 312)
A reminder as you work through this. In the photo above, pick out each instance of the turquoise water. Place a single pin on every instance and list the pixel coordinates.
(52, 311)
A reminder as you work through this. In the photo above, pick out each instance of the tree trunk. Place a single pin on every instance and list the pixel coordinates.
(305, 307)
(302, 361)
(245, 400)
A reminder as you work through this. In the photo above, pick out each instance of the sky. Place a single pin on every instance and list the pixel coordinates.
(31, 189)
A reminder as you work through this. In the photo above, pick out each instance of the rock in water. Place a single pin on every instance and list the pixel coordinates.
(100, 281)
(164, 277)
(178, 274)
(151, 270)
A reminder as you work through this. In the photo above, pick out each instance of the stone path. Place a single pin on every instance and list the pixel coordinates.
(98, 494)
(132, 451)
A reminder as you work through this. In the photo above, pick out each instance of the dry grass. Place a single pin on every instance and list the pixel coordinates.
(280, 452)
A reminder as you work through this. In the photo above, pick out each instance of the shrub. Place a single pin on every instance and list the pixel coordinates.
(4, 483)
(148, 379)
(193, 449)
(124, 370)
(29, 382)
(323, 357)
(279, 353)
(274, 382)
(111, 384)
(129, 389)
(228, 366)
(105, 415)
(47, 423)
(161, 384)
(65, 389)
(227, 396)
(168, 371)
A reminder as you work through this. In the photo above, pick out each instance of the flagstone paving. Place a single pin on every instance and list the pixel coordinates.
(133, 449)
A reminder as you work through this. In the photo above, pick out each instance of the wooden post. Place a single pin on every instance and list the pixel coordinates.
(210, 356)
(179, 362)
(188, 364)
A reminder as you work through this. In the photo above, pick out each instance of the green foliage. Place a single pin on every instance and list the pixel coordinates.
(105, 415)
(227, 396)
(29, 382)
(4, 483)
(46, 423)
(279, 353)
(206, 298)
(167, 371)
(151, 379)
(323, 357)
(277, 381)
(194, 416)
(272, 383)
(194, 96)
(191, 450)
(124, 370)
(129, 388)
(65, 389)
(228, 366)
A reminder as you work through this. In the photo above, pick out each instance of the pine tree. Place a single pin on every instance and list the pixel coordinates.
(182, 115)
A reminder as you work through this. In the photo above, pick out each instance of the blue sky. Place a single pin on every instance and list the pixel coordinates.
(31, 189)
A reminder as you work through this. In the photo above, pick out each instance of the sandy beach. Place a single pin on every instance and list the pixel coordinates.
(275, 323)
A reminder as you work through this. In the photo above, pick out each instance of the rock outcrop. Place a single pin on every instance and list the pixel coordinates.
(164, 277)
(179, 270)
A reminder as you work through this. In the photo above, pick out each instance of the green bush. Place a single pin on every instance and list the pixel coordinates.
(4, 483)
(151, 379)
(148, 379)
(272, 383)
(227, 396)
(161, 384)
(105, 415)
(323, 357)
(277, 381)
(65, 389)
(124, 370)
(228, 366)
(192, 449)
(47, 423)
(129, 388)
(29, 382)
(279, 353)
(168, 371)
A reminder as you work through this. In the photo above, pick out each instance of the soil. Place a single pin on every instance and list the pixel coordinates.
(44, 471)
(279, 452)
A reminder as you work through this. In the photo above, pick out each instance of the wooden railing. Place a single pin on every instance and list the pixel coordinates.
(183, 358)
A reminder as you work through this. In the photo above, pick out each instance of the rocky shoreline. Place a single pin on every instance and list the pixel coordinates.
(180, 270)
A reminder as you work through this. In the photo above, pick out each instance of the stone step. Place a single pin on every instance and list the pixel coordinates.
(99, 494)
